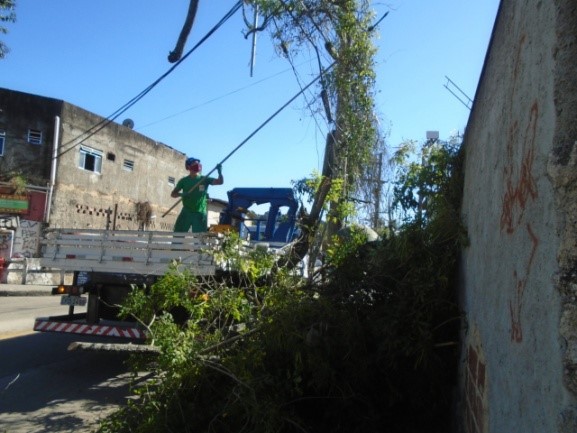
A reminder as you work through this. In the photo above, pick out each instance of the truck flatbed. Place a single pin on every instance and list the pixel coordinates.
(137, 252)
(108, 263)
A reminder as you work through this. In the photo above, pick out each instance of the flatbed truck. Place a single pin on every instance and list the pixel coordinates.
(106, 264)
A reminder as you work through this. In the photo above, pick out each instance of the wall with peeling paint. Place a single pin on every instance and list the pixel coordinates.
(519, 274)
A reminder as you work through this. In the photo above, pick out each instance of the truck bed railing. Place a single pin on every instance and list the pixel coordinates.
(131, 251)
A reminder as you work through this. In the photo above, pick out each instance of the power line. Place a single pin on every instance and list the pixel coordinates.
(105, 122)
(252, 134)
(210, 101)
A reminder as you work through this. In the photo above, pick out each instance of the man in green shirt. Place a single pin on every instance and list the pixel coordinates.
(194, 192)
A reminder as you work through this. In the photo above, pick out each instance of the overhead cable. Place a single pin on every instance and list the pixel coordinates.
(105, 122)
(252, 134)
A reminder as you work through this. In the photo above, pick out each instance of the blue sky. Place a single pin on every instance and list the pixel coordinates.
(99, 55)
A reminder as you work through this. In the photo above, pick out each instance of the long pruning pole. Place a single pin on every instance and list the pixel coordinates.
(242, 143)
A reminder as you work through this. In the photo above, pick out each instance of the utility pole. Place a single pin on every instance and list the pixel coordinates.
(377, 192)
(253, 50)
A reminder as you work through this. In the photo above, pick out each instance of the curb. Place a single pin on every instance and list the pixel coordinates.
(24, 292)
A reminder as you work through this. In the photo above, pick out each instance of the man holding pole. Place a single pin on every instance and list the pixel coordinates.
(193, 189)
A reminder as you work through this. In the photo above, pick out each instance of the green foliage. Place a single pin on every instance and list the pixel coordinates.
(198, 325)
(336, 209)
(6, 15)
(426, 184)
(175, 289)
(373, 349)
(342, 247)
(253, 264)
(353, 84)
(18, 182)
(306, 187)
(404, 289)
(341, 34)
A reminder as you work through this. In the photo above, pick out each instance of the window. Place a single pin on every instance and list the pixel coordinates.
(2, 140)
(171, 181)
(34, 136)
(128, 165)
(90, 159)
(111, 156)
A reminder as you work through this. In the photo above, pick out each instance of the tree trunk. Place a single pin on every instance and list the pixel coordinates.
(310, 223)
(175, 55)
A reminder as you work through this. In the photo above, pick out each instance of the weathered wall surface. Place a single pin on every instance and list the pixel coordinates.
(85, 198)
(19, 113)
(113, 195)
(520, 210)
(124, 183)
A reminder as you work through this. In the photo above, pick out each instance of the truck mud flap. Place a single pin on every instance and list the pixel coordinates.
(76, 324)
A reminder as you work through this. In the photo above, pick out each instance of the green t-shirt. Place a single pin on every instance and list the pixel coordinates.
(196, 199)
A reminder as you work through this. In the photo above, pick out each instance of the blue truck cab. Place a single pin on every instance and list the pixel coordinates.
(278, 226)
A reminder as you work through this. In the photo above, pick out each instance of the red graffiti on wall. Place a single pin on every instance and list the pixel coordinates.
(516, 304)
(520, 188)
(518, 191)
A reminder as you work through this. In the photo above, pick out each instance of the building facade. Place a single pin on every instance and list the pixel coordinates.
(519, 274)
(80, 171)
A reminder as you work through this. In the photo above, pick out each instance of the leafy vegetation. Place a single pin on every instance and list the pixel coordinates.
(15, 181)
(340, 35)
(6, 15)
(371, 349)
(423, 186)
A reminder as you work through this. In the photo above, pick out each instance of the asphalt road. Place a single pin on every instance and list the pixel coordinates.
(17, 313)
(46, 388)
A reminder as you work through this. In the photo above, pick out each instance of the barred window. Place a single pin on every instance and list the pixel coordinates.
(128, 165)
(34, 136)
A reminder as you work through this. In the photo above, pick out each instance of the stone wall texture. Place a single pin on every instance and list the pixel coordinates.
(519, 272)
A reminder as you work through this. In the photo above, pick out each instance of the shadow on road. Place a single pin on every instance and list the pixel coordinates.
(46, 388)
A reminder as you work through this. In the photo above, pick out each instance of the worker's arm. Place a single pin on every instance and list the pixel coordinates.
(220, 179)
(175, 193)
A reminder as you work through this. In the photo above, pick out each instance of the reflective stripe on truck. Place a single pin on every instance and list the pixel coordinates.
(53, 324)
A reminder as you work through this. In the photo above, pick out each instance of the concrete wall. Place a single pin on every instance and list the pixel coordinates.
(520, 210)
(20, 112)
(90, 198)
(116, 195)
(84, 198)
